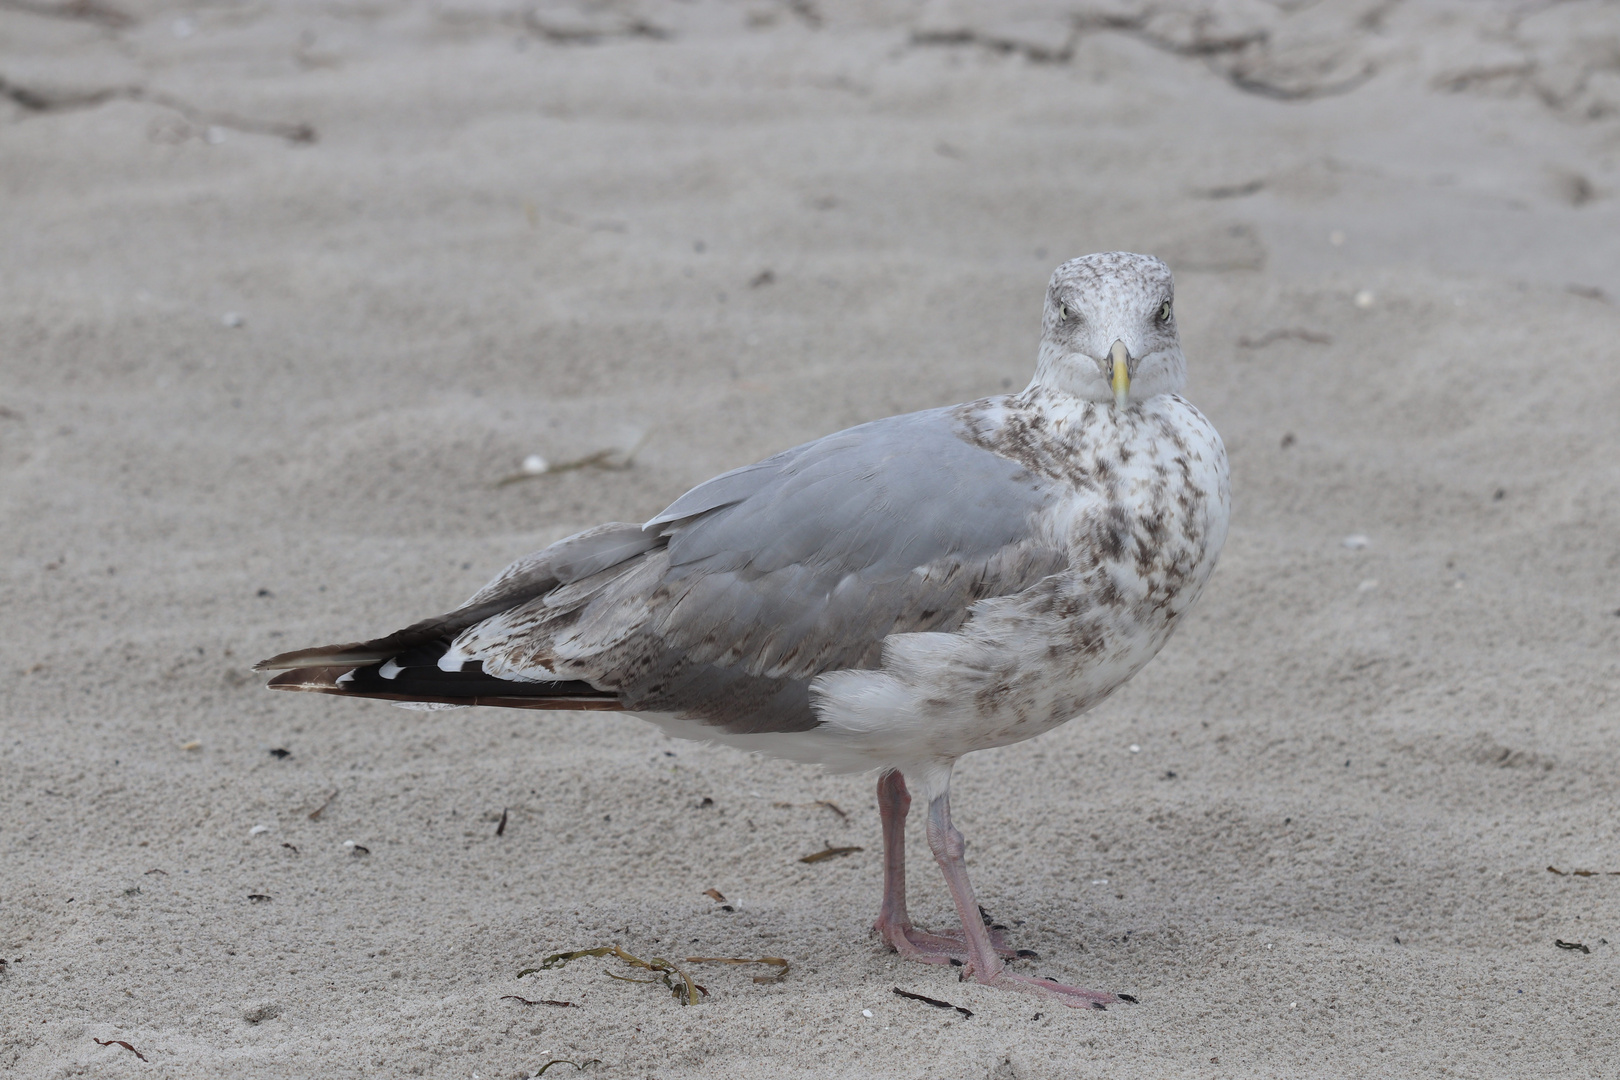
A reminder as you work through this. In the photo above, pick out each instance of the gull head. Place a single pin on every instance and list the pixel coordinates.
(1109, 331)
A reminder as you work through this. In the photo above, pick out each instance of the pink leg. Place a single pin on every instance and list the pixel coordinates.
(894, 922)
(982, 961)
(894, 803)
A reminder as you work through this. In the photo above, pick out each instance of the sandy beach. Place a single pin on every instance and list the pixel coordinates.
(290, 291)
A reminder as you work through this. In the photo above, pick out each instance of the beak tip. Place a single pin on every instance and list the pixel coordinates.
(1121, 380)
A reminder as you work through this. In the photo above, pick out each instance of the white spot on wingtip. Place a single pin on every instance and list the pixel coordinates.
(390, 670)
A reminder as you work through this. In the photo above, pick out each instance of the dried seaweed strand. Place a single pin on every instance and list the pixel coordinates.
(935, 1002)
(601, 459)
(578, 1067)
(315, 814)
(119, 1042)
(826, 804)
(679, 982)
(830, 852)
(774, 961)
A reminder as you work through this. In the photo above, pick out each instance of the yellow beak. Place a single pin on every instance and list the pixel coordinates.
(1121, 358)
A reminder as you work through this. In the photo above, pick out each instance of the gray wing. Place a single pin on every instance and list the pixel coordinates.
(805, 562)
(773, 573)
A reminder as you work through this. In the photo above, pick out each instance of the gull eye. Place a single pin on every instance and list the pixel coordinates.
(1164, 312)
(1063, 313)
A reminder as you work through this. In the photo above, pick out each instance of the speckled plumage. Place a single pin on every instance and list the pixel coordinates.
(890, 597)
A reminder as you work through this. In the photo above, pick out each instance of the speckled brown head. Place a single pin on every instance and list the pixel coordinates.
(1109, 330)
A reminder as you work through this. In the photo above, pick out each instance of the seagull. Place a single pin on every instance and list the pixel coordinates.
(885, 599)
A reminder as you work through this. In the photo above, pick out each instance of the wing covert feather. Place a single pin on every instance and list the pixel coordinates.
(893, 526)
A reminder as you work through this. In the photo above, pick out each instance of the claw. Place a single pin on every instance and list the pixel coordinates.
(1127, 997)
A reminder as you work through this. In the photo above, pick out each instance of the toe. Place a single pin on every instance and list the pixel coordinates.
(1050, 988)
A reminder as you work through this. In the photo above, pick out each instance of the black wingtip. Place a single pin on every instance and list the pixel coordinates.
(432, 686)
(353, 654)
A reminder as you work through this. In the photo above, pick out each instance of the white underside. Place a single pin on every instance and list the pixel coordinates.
(826, 746)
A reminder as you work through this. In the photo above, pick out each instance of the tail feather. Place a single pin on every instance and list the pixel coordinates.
(430, 685)
(325, 656)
